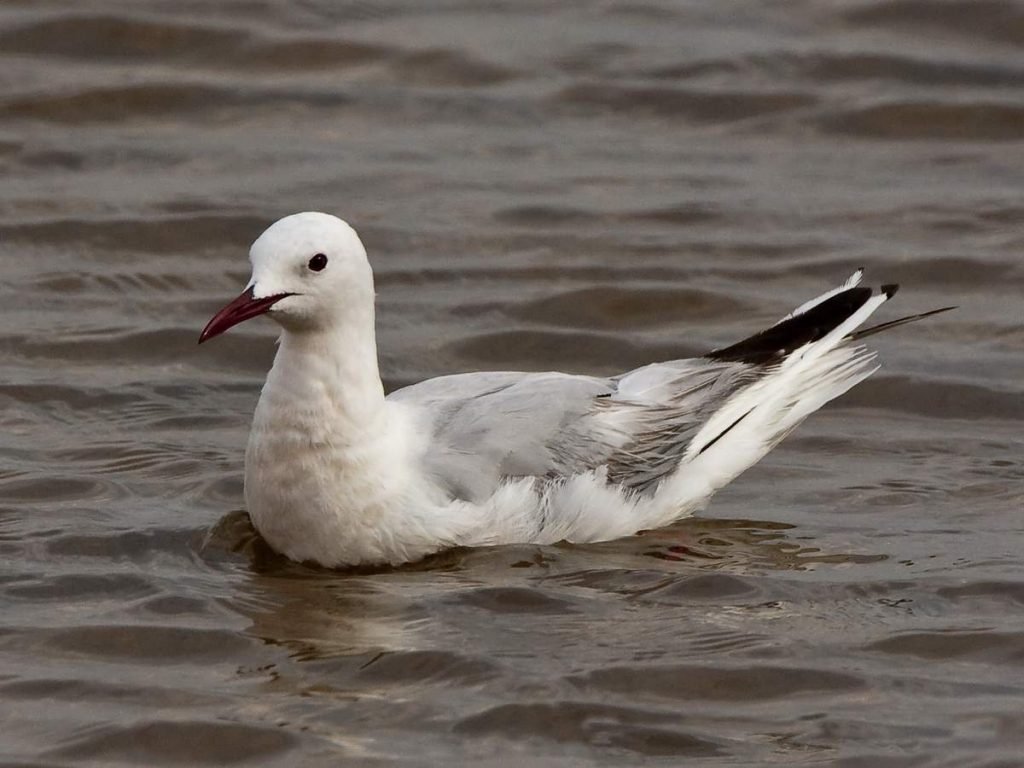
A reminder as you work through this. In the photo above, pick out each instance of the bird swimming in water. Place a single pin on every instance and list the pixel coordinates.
(339, 474)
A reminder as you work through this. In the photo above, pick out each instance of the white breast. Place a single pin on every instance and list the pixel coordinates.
(319, 490)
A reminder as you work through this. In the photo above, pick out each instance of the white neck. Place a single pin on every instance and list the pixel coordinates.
(327, 378)
(316, 458)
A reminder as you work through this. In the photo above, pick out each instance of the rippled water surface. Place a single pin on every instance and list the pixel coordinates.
(540, 186)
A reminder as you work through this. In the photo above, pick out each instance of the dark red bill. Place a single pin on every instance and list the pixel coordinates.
(239, 310)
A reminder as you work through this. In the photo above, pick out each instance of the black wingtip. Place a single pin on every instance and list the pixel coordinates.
(775, 343)
(899, 321)
(890, 290)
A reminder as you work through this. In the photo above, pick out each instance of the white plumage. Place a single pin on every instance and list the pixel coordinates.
(339, 474)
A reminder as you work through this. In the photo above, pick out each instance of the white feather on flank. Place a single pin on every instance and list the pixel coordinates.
(852, 282)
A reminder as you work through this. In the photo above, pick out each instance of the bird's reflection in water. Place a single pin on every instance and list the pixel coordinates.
(359, 614)
(718, 543)
(315, 612)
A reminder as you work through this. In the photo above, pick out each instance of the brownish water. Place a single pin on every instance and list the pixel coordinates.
(539, 187)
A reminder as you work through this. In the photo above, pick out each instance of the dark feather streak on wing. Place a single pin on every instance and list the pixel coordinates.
(724, 432)
(776, 342)
(667, 429)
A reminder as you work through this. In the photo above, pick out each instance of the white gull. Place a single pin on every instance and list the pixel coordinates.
(338, 474)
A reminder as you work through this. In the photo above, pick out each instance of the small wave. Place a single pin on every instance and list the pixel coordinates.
(997, 20)
(989, 647)
(929, 120)
(612, 307)
(161, 742)
(116, 37)
(537, 350)
(626, 729)
(693, 105)
(695, 682)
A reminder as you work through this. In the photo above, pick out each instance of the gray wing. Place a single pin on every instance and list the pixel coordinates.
(485, 427)
(488, 426)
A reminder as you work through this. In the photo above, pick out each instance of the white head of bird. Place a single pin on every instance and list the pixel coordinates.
(309, 273)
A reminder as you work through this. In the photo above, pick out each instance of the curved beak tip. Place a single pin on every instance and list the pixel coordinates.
(206, 335)
(240, 309)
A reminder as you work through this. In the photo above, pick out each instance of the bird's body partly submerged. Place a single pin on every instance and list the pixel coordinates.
(338, 474)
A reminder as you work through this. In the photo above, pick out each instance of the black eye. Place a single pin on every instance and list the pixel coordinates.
(318, 262)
